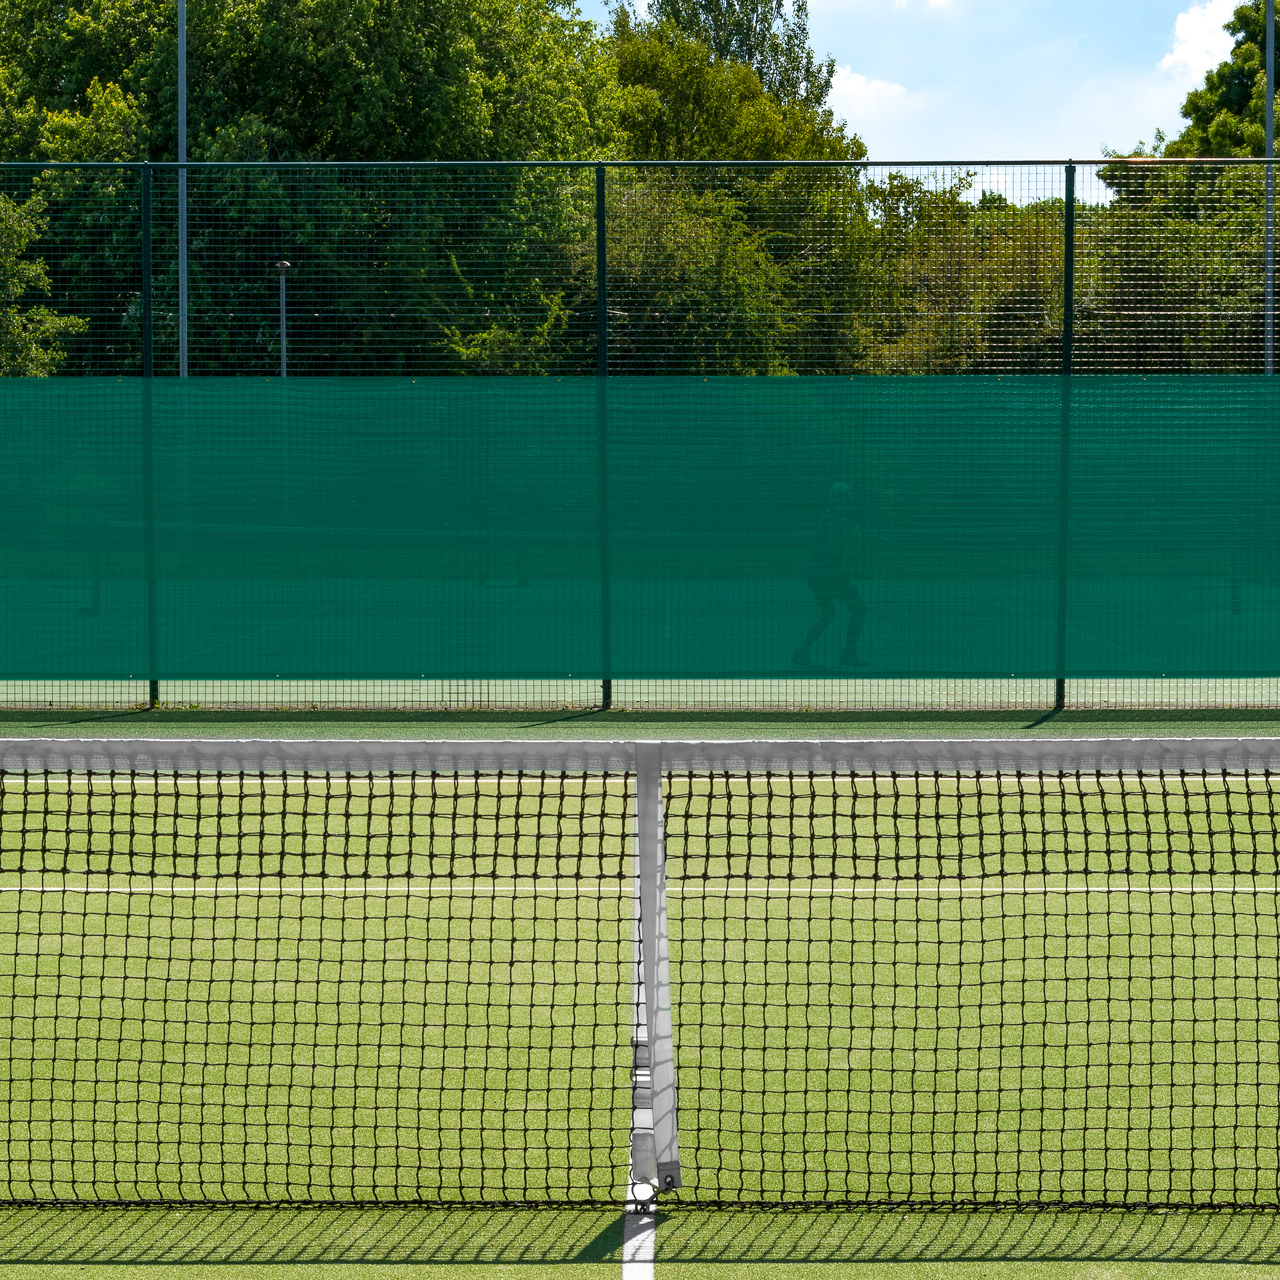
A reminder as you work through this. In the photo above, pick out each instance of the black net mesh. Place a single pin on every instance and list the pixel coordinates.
(948, 985)
(941, 989)
(234, 988)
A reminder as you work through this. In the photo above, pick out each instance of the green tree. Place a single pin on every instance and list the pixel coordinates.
(693, 287)
(307, 79)
(1226, 116)
(416, 274)
(30, 336)
(763, 35)
(685, 102)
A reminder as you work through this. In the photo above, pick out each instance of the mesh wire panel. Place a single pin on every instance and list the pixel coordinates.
(78, 310)
(713, 269)
(765, 696)
(862, 270)
(1169, 268)
(938, 989)
(247, 987)
(392, 272)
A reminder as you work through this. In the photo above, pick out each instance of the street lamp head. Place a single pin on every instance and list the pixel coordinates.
(282, 267)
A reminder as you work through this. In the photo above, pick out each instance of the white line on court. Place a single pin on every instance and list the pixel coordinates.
(639, 1231)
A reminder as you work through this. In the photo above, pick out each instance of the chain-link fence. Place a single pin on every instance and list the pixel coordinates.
(634, 270)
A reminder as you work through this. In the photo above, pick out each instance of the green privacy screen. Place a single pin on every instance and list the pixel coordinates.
(640, 528)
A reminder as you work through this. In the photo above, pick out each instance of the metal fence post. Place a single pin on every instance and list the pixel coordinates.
(1064, 437)
(148, 462)
(655, 1141)
(182, 188)
(602, 443)
(1269, 265)
(148, 350)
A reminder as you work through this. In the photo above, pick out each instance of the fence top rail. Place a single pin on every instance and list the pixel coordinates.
(623, 164)
(888, 756)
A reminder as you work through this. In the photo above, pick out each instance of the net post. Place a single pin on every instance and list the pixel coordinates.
(148, 476)
(654, 967)
(1064, 435)
(602, 441)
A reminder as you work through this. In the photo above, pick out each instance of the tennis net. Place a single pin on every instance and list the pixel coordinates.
(948, 974)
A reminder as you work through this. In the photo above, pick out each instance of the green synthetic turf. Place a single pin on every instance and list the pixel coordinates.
(292, 1244)
(55, 722)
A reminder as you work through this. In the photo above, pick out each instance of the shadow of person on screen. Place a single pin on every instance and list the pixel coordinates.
(828, 575)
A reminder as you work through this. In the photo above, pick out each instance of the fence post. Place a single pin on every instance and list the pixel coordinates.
(1269, 264)
(148, 351)
(602, 443)
(655, 1151)
(148, 466)
(1064, 436)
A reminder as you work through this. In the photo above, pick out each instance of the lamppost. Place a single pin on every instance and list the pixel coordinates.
(282, 268)
(182, 189)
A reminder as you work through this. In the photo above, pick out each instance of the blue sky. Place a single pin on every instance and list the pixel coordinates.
(1011, 79)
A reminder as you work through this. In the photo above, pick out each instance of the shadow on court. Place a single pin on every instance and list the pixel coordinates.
(540, 1237)
(176, 1237)
(587, 722)
(939, 1236)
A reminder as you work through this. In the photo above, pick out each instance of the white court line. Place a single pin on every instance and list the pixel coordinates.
(516, 891)
(639, 1232)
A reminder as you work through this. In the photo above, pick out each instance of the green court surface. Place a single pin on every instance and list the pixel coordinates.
(567, 1245)
(33, 722)
(752, 952)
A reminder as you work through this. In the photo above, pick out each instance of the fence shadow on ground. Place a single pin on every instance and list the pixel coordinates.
(174, 1237)
(891, 1236)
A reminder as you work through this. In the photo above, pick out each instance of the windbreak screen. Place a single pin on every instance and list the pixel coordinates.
(640, 528)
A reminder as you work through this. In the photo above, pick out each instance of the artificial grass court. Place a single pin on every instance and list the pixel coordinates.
(297, 1244)
(52, 722)
(528, 1243)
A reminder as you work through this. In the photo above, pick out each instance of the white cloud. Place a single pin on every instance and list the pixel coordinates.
(1199, 42)
(860, 93)
(881, 112)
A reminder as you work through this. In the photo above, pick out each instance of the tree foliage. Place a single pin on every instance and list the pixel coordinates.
(29, 335)
(1227, 114)
(760, 34)
(295, 79)
(685, 102)
(831, 269)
